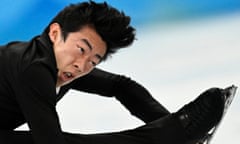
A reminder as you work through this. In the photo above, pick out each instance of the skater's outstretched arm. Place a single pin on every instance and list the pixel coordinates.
(130, 93)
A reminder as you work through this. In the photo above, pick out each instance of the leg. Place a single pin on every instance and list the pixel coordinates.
(154, 132)
(186, 126)
(167, 130)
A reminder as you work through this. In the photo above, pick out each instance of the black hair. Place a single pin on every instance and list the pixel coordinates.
(111, 24)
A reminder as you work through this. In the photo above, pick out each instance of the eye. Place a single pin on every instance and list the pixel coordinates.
(82, 50)
(93, 63)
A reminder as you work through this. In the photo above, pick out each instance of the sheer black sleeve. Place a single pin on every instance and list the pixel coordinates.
(132, 95)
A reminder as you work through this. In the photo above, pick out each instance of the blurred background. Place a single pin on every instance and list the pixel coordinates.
(182, 48)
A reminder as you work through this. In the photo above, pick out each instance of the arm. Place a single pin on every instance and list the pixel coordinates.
(131, 94)
(35, 94)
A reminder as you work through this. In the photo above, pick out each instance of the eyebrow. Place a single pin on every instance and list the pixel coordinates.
(90, 47)
(87, 43)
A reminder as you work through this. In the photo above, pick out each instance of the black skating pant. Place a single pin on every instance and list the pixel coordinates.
(166, 130)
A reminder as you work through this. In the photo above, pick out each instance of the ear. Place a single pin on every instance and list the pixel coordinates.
(55, 33)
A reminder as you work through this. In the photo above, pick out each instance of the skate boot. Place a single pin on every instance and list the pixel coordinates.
(201, 115)
(229, 94)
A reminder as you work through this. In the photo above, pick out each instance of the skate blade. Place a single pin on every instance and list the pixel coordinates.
(229, 95)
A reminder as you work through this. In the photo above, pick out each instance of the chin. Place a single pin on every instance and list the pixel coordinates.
(61, 83)
(65, 83)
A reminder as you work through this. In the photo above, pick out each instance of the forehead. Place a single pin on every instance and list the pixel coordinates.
(88, 34)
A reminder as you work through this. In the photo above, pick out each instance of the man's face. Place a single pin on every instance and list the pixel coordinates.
(78, 54)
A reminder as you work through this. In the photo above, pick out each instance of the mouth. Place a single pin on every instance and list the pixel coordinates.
(67, 76)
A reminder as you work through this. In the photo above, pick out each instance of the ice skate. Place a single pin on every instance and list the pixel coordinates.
(201, 117)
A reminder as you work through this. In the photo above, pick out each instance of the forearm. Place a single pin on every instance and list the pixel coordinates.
(138, 100)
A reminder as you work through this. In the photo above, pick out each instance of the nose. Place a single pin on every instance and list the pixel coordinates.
(77, 68)
(80, 66)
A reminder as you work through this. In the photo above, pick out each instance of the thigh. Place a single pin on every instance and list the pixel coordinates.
(166, 130)
(104, 138)
(25, 137)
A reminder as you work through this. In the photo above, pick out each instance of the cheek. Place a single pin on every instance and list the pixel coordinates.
(83, 74)
(66, 59)
(89, 70)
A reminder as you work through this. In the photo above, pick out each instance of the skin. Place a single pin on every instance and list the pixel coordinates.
(78, 54)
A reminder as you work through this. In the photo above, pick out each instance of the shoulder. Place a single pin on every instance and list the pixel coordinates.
(19, 57)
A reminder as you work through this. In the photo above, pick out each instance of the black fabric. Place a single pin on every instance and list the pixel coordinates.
(28, 95)
(131, 94)
(166, 130)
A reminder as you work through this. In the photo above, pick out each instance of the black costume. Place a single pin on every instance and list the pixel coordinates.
(28, 94)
